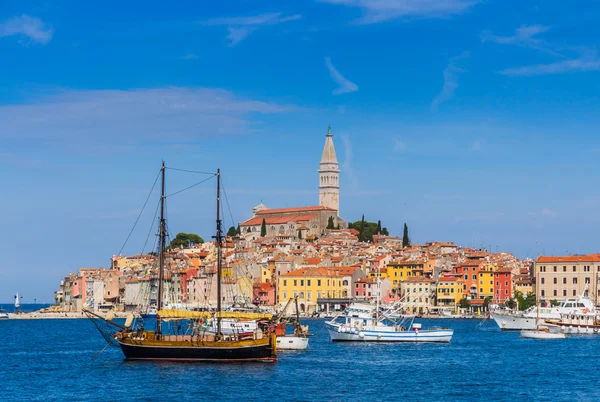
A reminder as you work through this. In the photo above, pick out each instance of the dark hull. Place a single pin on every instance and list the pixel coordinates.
(197, 353)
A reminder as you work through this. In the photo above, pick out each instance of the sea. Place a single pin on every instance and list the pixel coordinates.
(52, 360)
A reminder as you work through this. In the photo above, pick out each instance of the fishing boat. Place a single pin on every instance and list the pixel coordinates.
(298, 340)
(363, 322)
(197, 344)
(541, 332)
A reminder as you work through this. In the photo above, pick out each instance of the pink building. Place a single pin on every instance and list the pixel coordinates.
(264, 293)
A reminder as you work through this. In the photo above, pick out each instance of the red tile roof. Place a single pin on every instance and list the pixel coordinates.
(295, 209)
(278, 220)
(569, 258)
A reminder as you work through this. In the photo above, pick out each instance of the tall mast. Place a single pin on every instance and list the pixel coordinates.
(219, 238)
(378, 293)
(161, 251)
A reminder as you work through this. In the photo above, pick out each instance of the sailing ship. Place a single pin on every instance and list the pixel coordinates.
(200, 344)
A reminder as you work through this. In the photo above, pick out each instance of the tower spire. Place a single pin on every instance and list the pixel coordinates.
(329, 173)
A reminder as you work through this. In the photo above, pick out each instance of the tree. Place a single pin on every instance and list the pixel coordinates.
(330, 224)
(239, 231)
(405, 238)
(232, 232)
(350, 225)
(385, 232)
(554, 303)
(367, 229)
(524, 302)
(361, 229)
(510, 303)
(299, 234)
(379, 227)
(464, 303)
(263, 228)
(486, 302)
(183, 240)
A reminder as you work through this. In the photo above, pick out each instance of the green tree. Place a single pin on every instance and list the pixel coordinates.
(330, 224)
(183, 240)
(367, 229)
(299, 234)
(263, 228)
(385, 232)
(554, 303)
(379, 227)
(405, 238)
(464, 303)
(239, 231)
(350, 225)
(232, 232)
(510, 303)
(486, 302)
(361, 229)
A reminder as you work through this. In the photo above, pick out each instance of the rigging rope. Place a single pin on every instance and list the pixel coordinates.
(151, 227)
(190, 171)
(140, 214)
(193, 185)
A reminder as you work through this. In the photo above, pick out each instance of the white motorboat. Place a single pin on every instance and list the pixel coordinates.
(509, 320)
(362, 323)
(542, 333)
(3, 315)
(580, 323)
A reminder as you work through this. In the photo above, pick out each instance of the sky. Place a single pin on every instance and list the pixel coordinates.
(473, 121)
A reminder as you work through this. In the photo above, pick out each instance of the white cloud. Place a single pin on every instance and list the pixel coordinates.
(240, 27)
(559, 67)
(544, 212)
(25, 26)
(399, 146)
(129, 117)
(347, 164)
(383, 10)
(524, 36)
(451, 74)
(345, 85)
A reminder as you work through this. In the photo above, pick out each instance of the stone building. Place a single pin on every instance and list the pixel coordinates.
(566, 277)
(308, 220)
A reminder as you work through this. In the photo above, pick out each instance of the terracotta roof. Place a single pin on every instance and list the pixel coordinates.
(311, 272)
(419, 279)
(448, 279)
(295, 209)
(278, 220)
(569, 258)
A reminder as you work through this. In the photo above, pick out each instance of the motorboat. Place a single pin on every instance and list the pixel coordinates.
(510, 320)
(364, 323)
(3, 315)
(542, 332)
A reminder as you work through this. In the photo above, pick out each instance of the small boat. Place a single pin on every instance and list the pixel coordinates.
(296, 341)
(542, 333)
(3, 315)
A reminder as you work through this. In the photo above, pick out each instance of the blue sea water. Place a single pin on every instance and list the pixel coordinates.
(25, 308)
(47, 360)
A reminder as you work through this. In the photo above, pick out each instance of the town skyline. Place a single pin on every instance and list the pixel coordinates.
(473, 122)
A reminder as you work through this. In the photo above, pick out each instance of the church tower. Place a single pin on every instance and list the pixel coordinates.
(329, 174)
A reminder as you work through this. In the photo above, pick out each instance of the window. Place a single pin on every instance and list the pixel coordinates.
(357, 286)
(308, 295)
(302, 295)
(574, 268)
(481, 275)
(543, 293)
(564, 292)
(543, 280)
(284, 295)
(308, 283)
(555, 271)
(497, 283)
(491, 282)
(295, 294)
(574, 281)
(318, 282)
(587, 280)
(319, 294)
(301, 282)
(574, 292)
(474, 277)
(284, 284)
(466, 277)
(555, 292)
(506, 292)
(564, 281)
(481, 282)
(295, 282)
(506, 283)
(555, 282)
(564, 268)
(480, 290)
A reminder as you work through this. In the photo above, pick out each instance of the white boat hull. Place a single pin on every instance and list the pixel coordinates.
(514, 323)
(534, 334)
(381, 335)
(291, 342)
(574, 329)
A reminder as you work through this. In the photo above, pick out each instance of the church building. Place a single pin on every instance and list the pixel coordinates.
(309, 220)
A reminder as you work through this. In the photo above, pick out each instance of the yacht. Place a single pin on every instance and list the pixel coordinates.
(583, 322)
(510, 320)
(364, 323)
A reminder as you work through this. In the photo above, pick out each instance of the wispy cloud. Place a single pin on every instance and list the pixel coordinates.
(451, 73)
(573, 58)
(588, 63)
(240, 27)
(128, 117)
(544, 212)
(399, 146)
(189, 56)
(347, 164)
(24, 26)
(524, 36)
(384, 10)
(345, 85)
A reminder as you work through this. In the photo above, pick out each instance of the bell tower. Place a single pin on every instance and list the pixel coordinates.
(329, 174)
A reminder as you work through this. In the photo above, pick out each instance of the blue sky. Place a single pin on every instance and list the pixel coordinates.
(472, 121)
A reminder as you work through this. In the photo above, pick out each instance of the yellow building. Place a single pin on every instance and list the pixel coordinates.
(309, 284)
(449, 291)
(382, 273)
(485, 285)
(400, 271)
(266, 274)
